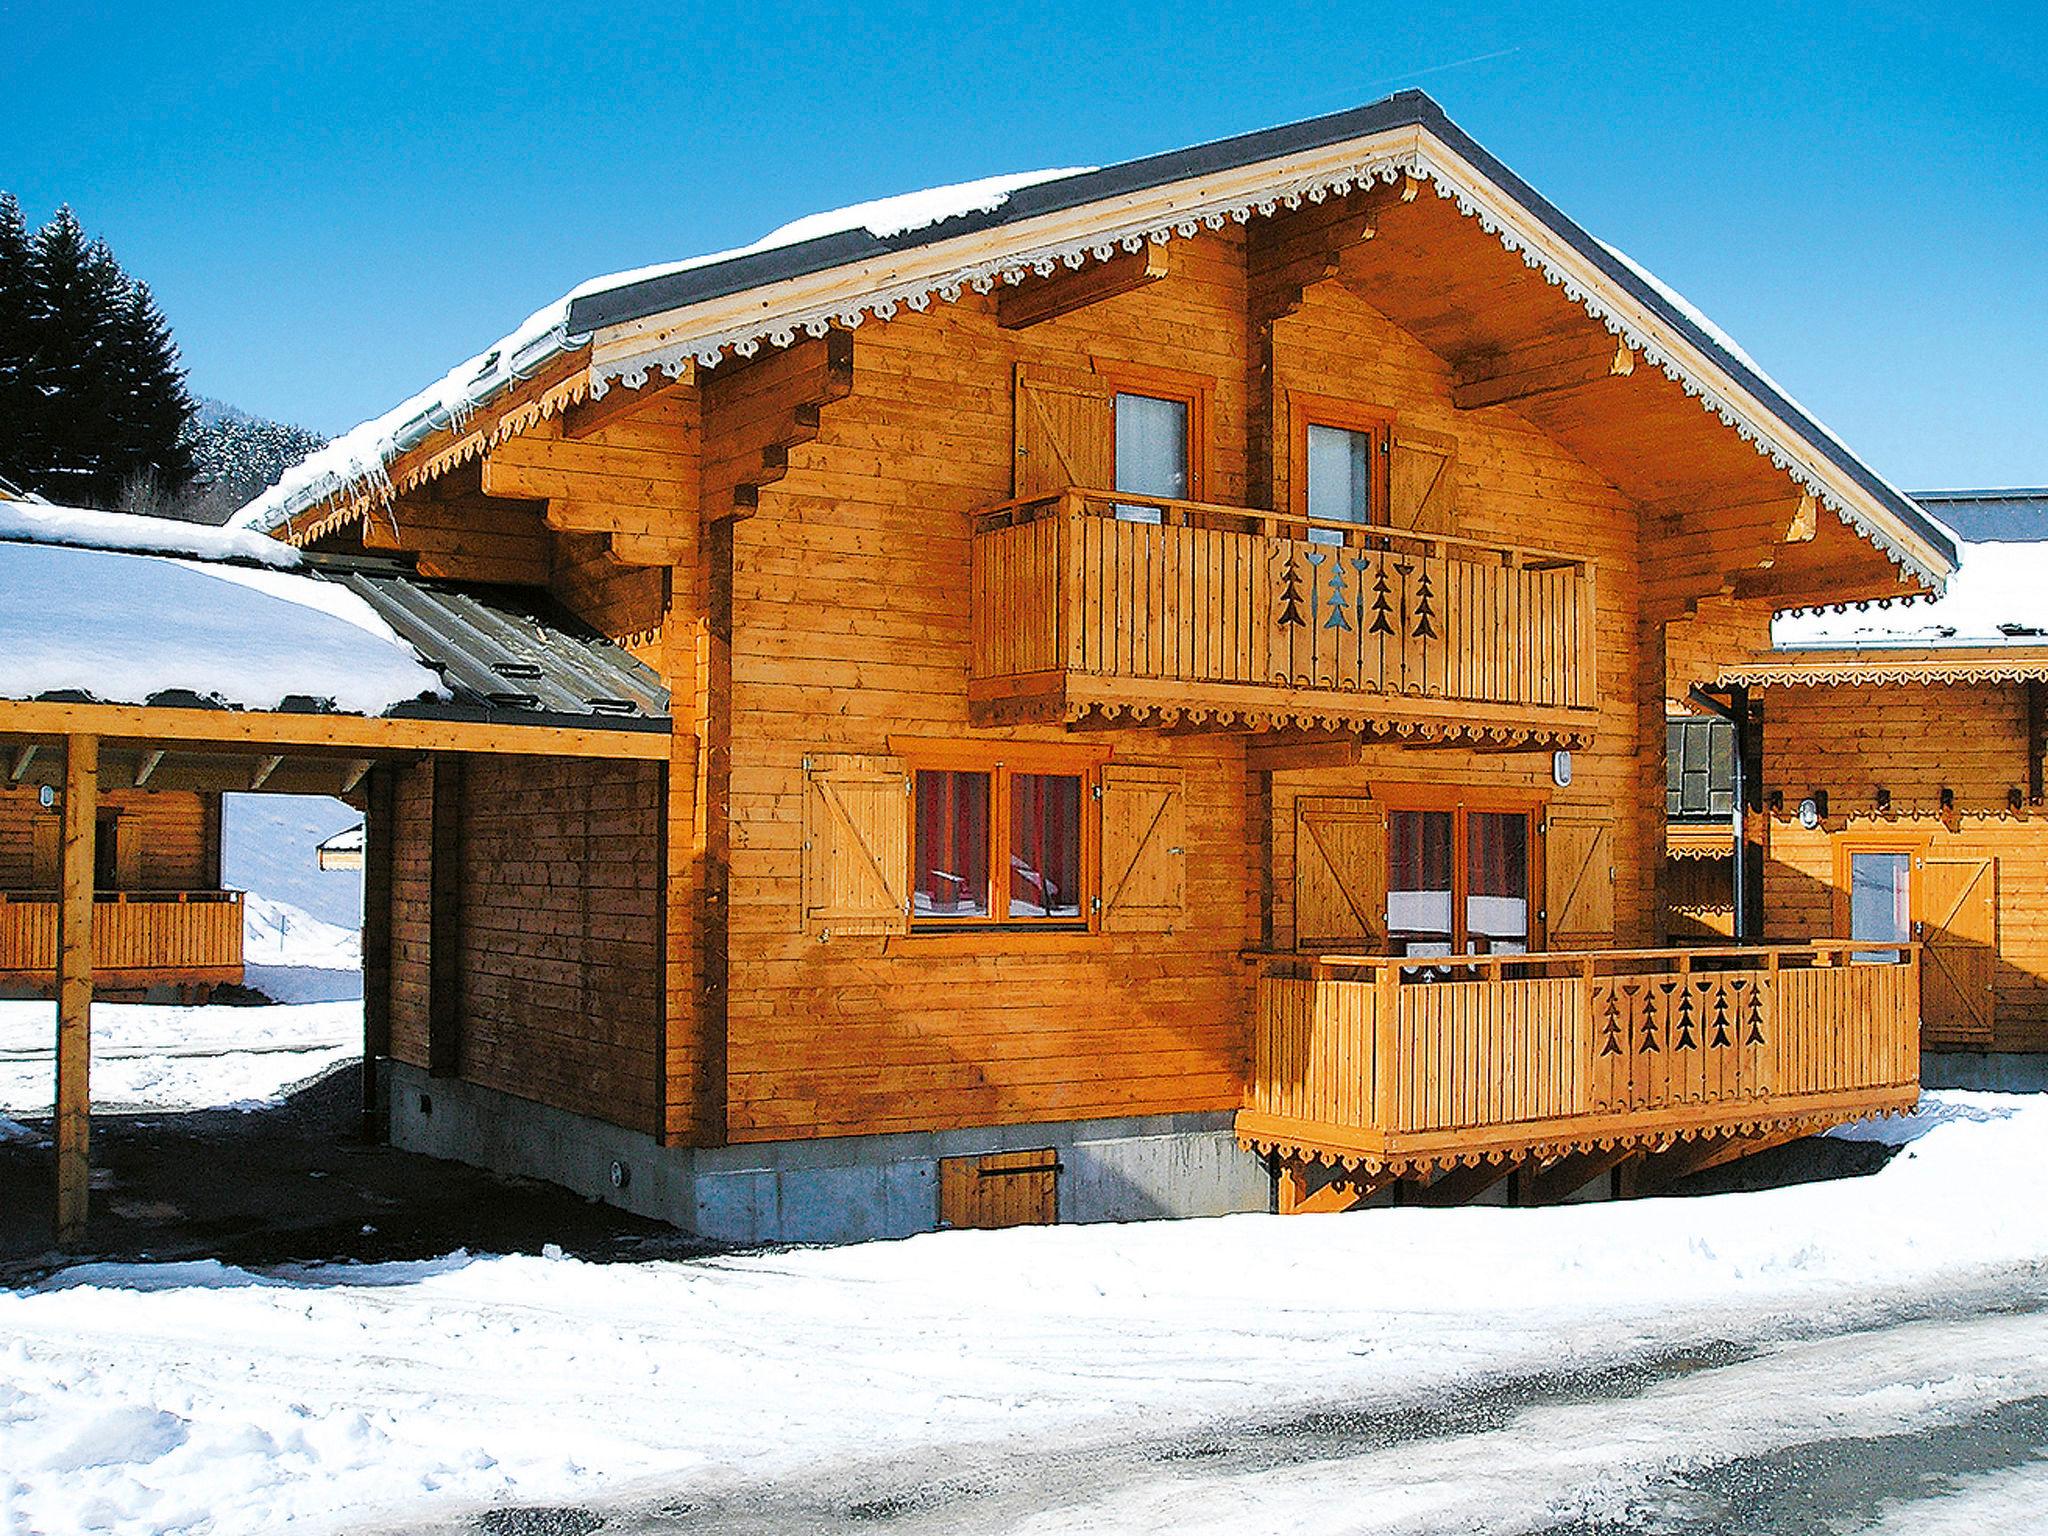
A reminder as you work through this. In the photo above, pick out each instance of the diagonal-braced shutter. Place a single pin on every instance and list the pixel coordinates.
(1578, 879)
(1421, 480)
(1144, 857)
(856, 872)
(1340, 873)
(1066, 431)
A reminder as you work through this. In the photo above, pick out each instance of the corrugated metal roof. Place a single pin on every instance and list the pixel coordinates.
(508, 653)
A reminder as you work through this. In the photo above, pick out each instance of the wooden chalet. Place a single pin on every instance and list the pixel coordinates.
(1170, 669)
(1901, 795)
(142, 658)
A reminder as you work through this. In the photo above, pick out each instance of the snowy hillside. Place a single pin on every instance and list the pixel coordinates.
(269, 843)
(278, 933)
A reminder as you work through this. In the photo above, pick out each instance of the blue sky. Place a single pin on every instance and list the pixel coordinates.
(335, 208)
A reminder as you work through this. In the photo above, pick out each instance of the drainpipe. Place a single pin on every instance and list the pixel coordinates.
(1735, 710)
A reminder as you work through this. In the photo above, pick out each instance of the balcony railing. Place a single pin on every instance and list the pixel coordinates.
(1092, 602)
(138, 937)
(1405, 1064)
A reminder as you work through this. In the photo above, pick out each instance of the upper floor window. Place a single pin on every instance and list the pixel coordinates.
(1339, 464)
(1151, 452)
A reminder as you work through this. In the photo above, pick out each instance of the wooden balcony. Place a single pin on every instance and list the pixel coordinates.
(1243, 619)
(1403, 1066)
(139, 938)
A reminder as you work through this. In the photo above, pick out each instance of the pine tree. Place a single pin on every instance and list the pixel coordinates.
(16, 400)
(99, 399)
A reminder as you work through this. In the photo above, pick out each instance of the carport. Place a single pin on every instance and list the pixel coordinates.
(139, 652)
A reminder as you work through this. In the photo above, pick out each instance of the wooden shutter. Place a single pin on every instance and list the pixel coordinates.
(1066, 431)
(127, 854)
(1340, 874)
(44, 851)
(1421, 477)
(1957, 900)
(1144, 835)
(1578, 880)
(856, 874)
(1003, 1189)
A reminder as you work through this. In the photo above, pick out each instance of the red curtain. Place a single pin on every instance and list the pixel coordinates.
(952, 844)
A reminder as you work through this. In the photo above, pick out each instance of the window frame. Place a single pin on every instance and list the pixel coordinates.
(1193, 390)
(1305, 410)
(1002, 761)
(1533, 805)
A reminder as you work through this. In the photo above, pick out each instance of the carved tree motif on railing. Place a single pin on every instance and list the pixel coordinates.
(1290, 595)
(1703, 1029)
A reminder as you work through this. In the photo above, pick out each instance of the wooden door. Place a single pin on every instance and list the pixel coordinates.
(1421, 475)
(1001, 1189)
(1066, 431)
(1955, 907)
(1340, 874)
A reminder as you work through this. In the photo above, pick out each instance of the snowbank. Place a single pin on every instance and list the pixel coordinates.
(144, 1398)
(359, 455)
(1998, 596)
(122, 628)
(161, 1057)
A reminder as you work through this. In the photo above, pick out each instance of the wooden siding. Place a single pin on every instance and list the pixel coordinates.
(176, 837)
(1913, 741)
(556, 966)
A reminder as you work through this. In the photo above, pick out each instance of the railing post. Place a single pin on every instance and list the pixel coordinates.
(1386, 1060)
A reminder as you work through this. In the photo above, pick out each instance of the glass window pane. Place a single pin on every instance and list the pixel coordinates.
(952, 845)
(1880, 902)
(1151, 452)
(1497, 883)
(1339, 479)
(1419, 849)
(1045, 845)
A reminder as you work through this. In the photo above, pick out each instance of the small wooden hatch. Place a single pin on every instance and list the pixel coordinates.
(1000, 1189)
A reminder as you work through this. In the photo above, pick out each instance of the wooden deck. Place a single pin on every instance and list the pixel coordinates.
(1403, 1066)
(139, 938)
(1247, 619)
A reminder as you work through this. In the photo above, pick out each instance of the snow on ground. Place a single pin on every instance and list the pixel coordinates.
(191, 1396)
(161, 1057)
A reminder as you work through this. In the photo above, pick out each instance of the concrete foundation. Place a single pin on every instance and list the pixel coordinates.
(833, 1190)
(1986, 1071)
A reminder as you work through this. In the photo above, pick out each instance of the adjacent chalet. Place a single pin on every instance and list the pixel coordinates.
(1166, 672)
(1901, 794)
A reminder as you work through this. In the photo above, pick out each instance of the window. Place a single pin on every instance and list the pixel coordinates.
(998, 833)
(1161, 421)
(1881, 903)
(1458, 880)
(1340, 457)
(106, 852)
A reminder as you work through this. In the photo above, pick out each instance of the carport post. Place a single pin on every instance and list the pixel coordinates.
(74, 986)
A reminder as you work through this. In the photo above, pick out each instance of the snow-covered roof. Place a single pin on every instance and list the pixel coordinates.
(360, 454)
(42, 522)
(114, 626)
(347, 840)
(908, 250)
(2010, 515)
(1997, 597)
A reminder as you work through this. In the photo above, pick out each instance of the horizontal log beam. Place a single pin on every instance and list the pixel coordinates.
(1038, 299)
(1541, 369)
(149, 725)
(591, 416)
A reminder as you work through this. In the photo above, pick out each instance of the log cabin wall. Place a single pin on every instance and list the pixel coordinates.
(167, 840)
(851, 625)
(1852, 741)
(551, 985)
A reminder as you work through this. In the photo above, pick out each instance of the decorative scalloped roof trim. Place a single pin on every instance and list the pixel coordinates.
(1336, 718)
(366, 499)
(1885, 673)
(884, 304)
(1655, 1139)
